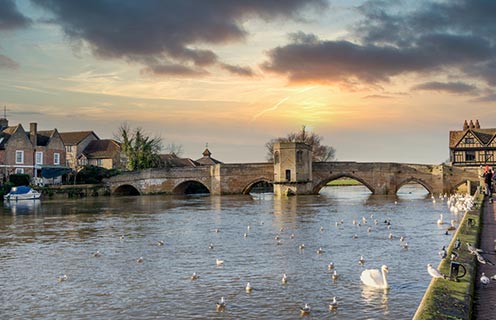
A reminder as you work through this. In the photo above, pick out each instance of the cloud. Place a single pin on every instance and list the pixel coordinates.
(164, 35)
(449, 87)
(10, 17)
(7, 63)
(241, 71)
(395, 38)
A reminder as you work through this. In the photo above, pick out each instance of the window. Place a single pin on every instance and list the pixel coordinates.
(288, 175)
(19, 170)
(470, 156)
(469, 140)
(299, 156)
(99, 162)
(39, 157)
(276, 157)
(56, 158)
(19, 156)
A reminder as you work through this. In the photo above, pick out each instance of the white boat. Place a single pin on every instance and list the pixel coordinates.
(22, 193)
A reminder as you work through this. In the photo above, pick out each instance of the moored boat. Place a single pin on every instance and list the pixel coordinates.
(22, 193)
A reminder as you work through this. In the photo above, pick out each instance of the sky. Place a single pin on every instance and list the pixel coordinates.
(380, 80)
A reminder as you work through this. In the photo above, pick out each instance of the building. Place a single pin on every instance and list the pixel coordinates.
(473, 146)
(105, 153)
(207, 159)
(30, 152)
(75, 143)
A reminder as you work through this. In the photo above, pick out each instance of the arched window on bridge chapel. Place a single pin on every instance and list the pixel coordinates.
(299, 156)
(276, 157)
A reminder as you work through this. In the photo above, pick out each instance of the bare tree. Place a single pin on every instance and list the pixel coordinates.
(320, 152)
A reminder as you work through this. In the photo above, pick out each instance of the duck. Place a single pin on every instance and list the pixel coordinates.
(140, 260)
(330, 266)
(305, 309)
(220, 305)
(194, 276)
(160, 243)
(375, 278)
(335, 275)
(97, 254)
(302, 246)
(405, 246)
(320, 250)
(211, 246)
(333, 306)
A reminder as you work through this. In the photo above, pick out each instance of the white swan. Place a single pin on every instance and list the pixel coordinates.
(284, 278)
(219, 262)
(440, 220)
(333, 306)
(375, 278)
(248, 288)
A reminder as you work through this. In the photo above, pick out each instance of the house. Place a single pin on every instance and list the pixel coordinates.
(171, 160)
(105, 153)
(30, 152)
(473, 146)
(75, 143)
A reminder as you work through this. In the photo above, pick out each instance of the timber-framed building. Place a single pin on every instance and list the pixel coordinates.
(473, 146)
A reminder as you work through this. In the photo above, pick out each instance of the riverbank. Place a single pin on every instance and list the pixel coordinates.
(74, 191)
(454, 298)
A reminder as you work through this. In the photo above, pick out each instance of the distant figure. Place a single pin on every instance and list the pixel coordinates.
(488, 177)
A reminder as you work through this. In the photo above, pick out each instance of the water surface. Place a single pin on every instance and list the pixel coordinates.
(40, 241)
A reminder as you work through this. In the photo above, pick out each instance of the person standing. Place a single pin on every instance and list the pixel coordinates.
(488, 179)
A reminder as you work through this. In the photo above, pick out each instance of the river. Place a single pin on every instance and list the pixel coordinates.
(41, 241)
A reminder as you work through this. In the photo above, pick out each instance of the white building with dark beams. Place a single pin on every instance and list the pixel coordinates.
(473, 146)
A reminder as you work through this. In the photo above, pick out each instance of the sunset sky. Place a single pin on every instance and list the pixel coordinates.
(378, 80)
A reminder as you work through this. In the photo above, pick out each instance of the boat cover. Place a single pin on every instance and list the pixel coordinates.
(53, 172)
(20, 190)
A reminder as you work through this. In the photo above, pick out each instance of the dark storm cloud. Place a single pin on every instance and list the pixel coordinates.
(10, 17)
(172, 31)
(450, 87)
(394, 38)
(7, 63)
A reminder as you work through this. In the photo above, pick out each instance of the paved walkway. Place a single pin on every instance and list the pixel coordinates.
(485, 297)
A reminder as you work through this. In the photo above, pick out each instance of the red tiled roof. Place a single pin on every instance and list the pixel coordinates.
(73, 138)
(102, 149)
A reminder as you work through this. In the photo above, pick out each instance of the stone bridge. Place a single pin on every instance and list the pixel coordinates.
(222, 179)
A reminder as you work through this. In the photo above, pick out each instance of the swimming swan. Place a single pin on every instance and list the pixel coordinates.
(375, 278)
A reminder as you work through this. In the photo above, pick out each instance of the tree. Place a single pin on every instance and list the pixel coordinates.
(320, 152)
(141, 150)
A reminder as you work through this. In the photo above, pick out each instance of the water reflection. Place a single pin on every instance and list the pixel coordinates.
(61, 237)
(22, 207)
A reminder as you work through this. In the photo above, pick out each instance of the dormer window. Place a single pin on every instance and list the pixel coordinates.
(469, 140)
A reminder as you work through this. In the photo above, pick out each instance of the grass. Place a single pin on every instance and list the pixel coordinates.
(446, 299)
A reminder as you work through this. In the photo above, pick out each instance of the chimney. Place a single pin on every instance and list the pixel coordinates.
(477, 125)
(471, 125)
(33, 133)
(465, 125)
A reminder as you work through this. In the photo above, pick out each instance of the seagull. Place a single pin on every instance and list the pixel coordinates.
(219, 262)
(305, 309)
(140, 260)
(221, 305)
(302, 246)
(484, 280)
(248, 288)
(434, 272)
(457, 244)
(194, 276)
(211, 246)
(391, 236)
(320, 250)
(62, 278)
(333, 306)
(493, 277)
(284, 278)
(249, 228)
(160, 243)
(471, 249)
(402, 238)
(245, 235)
(405, 246)
(369, 229)
(361, 261)
(97, 254)
(454, 255)
(330, 266)
(483, 260)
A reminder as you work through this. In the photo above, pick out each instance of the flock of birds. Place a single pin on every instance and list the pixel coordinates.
(374, 278)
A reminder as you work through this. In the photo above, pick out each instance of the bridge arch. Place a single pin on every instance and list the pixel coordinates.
(455, 187)
(322, 183)
(190, 187)
(248, 188)
(416, 180)
(126, 190)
